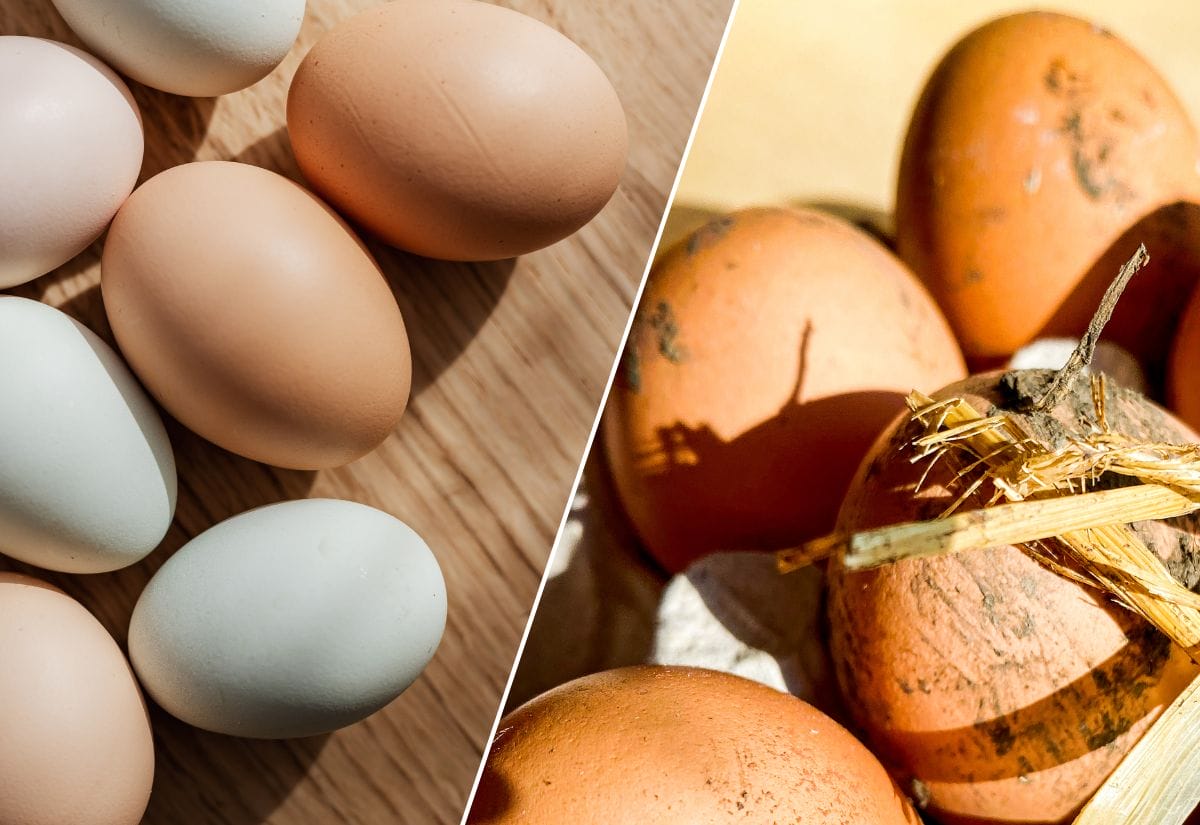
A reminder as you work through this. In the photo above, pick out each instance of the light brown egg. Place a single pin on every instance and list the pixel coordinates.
(75, 743)
(768, 351)
(996, 689)
(1042, 151)
(665, 745)
(255, 316)
(457, 129)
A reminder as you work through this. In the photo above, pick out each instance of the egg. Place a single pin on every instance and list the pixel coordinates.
(70, 150)
(457, 129)
(675, 744)
(200, 48)
(76, 744)
(290, 620)
(1042, 151)
(768, 350)
(255, 316)
(1183, 375)
(87, 475)
(996, 688)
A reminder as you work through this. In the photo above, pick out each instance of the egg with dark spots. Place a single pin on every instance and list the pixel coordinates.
(674, 745)
(1007, 690)
(457, 129)
(1042, 151)
(769, 349)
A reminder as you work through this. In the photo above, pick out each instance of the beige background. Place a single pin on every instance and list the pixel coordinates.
(812, 100)
(510, 360)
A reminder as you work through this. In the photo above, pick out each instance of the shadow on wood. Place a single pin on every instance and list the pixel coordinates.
(195, 771)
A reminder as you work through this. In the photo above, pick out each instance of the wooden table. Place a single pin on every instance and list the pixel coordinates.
(510, 360)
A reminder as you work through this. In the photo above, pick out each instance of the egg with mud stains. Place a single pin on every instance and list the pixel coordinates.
(1042, 151)
(769, 349)
(457, 129)
(679, 745)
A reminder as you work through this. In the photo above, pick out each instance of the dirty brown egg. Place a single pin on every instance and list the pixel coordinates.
(679, 745)
(1042, 151)
(768, 351)
(994, 689)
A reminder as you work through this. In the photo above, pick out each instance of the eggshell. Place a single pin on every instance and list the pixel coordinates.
(1183, 376)
(290, 620)
(76, 745)
(997, 689)
(1042, 151)
(200, 48)
(675, 744)
(768, 351)
(457, 129)
(70, 151)
(87, 476)
(255, 316)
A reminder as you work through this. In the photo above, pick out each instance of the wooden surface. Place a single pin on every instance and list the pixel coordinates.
(510, 360)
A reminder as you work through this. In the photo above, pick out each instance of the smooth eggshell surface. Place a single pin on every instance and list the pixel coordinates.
(679, 745)
(290, 620)
(70, 152)
(75, 743)
(457, 129)
(255, 316)
(200, 48)
(87, 476)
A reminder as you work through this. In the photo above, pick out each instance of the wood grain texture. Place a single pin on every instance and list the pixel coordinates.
(510, 360)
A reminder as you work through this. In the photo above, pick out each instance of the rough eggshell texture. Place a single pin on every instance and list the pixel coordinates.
(672, 745)
(290, 620)
(255, 316)
(87, 475)
(994, 688)
(199, 48)
(70, 151)
(1042, 151)
(76, 745)
(457, 129)
(768, 351)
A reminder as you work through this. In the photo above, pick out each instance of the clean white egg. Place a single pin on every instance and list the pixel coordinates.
(199, 48)
(290, 620)
(87, 476)
(70, 151)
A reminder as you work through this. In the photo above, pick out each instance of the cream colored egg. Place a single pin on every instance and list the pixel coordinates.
(75, 743)
(70, 152)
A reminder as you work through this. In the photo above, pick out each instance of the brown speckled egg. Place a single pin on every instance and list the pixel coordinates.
(255, 316)
(769, 349)
(1042, 151)
(996, 689)
(457, 129)
(659, 745)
